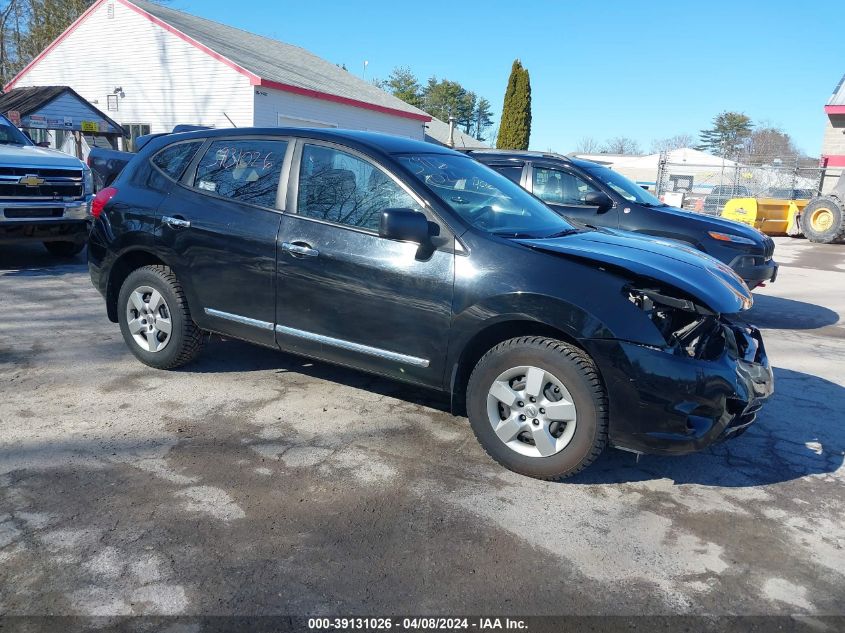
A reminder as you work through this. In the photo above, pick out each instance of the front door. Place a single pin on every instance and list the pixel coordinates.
(344, 293)
(220, 226)
(564, 191)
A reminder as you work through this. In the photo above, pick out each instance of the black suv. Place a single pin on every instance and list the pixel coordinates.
(592, 194)
(418, 263)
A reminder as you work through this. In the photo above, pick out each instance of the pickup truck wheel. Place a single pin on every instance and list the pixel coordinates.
(155, 320)
(64, 249)
(823, 220)
(538, 407)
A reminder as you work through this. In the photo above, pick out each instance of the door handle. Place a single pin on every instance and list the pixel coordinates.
(300, 249)
(176, 223)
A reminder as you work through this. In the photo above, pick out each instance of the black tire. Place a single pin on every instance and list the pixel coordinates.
(571, 366)
(830, 231)
(185, 339)
(64, 249)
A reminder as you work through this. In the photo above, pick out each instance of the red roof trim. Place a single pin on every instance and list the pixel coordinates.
(316, 94)
(835, 109)
(55, 43)
(253, 78)
(833, 161)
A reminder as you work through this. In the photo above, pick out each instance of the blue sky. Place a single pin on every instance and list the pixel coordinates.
(642, 69)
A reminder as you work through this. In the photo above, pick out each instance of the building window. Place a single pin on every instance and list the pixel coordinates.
(111, 101)
(135, 130)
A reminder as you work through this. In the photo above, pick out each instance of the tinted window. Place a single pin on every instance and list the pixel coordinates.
(244, 170)
(174, 159)
(512, 172)
(560, 187)
(484, 197)
(342, 188)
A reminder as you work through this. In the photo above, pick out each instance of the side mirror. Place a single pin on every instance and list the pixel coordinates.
(403, 225)
(598, 199)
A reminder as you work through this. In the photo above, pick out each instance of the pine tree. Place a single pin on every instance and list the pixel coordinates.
(728, 135)
(515, 127)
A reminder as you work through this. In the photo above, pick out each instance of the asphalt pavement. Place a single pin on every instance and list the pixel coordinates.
(255, 482)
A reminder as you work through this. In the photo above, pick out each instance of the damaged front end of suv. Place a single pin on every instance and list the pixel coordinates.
(705, 384)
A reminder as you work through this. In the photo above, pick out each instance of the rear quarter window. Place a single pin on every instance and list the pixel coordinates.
(173, 160)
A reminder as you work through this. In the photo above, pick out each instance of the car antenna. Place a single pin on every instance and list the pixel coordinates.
(230, 120)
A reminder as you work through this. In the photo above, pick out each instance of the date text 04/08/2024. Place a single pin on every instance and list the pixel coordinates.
(417, 624)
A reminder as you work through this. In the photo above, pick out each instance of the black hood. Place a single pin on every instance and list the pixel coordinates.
(707, 280)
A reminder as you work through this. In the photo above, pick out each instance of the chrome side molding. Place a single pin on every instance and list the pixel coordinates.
(237, 318)
(354, 347)
(404, 359)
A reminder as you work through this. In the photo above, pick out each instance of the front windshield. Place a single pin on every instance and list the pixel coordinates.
(484, 198)
(10, 135)
(631, 191)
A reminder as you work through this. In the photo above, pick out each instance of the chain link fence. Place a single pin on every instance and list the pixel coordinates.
(707, 187)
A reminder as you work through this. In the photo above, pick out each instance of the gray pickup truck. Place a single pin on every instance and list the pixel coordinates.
(45, 195)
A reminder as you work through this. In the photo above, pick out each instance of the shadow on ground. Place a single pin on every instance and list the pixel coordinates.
(800, 432)
(222, 355)
(33, 260)
(777, 313)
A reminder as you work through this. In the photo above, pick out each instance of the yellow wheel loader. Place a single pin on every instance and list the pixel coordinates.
(820, 219)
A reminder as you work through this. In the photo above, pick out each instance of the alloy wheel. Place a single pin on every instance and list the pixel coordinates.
(148, 319)
(531, 411)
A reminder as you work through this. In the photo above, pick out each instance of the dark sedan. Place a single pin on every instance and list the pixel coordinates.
(418, 263)
(591, 194)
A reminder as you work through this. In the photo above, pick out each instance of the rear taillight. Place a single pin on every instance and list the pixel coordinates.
(101, 200)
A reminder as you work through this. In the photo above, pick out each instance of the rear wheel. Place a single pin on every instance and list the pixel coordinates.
(64, 249)
(155, 320)
(823, 220)
(538, 407)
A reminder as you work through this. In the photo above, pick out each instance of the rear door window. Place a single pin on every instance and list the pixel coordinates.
(512, 172)
(245, 170)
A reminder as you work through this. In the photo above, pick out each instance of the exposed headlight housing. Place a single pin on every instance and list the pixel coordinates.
(730, 237)
(688, 328)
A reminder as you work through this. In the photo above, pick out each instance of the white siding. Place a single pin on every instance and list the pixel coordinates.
(166, 80)
(272, 104)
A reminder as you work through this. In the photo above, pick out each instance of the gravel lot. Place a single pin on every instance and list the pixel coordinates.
(255, 482)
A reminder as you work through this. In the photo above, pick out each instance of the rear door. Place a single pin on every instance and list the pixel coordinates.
(220, 226)
(344, 293)
(564, 191)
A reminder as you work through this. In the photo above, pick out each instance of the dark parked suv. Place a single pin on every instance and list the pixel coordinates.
(590, 193)
(418, 263)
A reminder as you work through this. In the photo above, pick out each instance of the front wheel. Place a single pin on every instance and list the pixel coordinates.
(538, 407)
(64, 249)
(823, 220)
(155, 320)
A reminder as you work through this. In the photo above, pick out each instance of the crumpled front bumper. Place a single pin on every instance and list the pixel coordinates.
(673, 404)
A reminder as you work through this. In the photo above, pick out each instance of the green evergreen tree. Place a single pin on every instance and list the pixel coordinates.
(728, 135)
(515, 127)
(483, 119)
